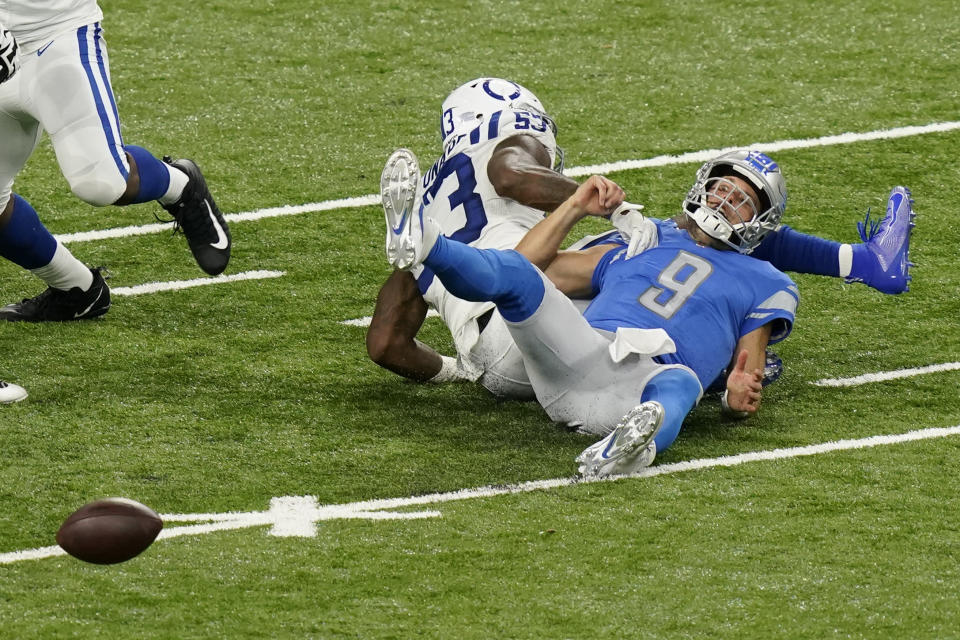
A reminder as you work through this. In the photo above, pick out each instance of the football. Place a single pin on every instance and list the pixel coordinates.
(108, 531)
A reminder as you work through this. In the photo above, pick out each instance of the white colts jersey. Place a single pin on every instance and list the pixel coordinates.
(457, 193)
(36, 22)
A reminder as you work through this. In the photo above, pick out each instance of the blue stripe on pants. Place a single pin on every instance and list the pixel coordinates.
(113, 138)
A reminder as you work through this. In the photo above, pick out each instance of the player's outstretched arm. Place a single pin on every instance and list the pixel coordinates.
(597, 196)
(391, 337)
(571, 271)
(519, 169)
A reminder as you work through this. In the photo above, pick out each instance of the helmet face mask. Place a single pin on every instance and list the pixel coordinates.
(471, 104)
(725, 211)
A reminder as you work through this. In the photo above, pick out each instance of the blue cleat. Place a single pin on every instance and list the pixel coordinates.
(772, 368)
(883, 260)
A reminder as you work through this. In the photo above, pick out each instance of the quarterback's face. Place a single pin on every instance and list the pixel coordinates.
(734, 197)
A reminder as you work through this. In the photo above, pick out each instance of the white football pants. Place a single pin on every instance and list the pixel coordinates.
(64, 89)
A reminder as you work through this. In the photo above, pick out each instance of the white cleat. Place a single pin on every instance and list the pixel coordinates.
(628, 448)
(10, 393)
(407, 243)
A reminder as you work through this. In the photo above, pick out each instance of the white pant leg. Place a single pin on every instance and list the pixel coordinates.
(496, 354)
(569, 364)
(19, 134)
(68, 91)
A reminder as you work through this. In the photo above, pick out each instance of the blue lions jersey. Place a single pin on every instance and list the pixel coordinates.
(705, 299)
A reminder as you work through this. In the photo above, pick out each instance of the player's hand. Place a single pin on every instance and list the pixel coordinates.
(639, 233)
(598, 196)
(742, 397)
(9, 55)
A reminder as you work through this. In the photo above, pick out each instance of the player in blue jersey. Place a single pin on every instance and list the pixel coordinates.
(63, 87)
(510, 170)
(660, 327)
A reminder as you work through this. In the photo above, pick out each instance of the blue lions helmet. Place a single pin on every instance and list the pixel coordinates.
(714, 199)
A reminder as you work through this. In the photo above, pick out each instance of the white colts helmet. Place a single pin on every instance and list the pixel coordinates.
(760, 171)
(472, 103)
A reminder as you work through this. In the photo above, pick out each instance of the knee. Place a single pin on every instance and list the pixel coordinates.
(521, 285)
(98, 191)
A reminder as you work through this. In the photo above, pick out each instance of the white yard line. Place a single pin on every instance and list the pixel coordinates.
(175, 285)
(623, 165)
(296, 516)
(886, 375)
(366, 320)
(769, 147)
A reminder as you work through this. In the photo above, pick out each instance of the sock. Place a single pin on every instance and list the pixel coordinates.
(678, 391)
(790, 250)
(65, 271)
(504, 277)
(178, 182)
(862, 262)
(24, 240)
(158, 180)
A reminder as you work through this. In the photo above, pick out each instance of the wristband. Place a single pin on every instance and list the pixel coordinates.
(727, 411)
(449, 371)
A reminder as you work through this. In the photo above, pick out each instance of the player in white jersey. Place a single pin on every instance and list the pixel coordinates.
(36, 22)
(9, 65)
(471, 210)
(63, 87)
(490, 186)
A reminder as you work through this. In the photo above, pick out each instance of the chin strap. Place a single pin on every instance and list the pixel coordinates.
(711, 223)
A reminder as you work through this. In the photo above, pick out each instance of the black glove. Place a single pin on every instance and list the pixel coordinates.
(9, 59)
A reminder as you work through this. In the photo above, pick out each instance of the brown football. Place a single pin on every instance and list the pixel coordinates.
(108, 531)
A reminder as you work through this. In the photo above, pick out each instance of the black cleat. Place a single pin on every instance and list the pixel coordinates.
(57, 305)
(197, 215)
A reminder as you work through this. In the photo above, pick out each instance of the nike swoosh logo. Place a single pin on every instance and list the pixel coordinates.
(80, 314)
(605, 454)
(896, 201)
(222, 242)
(43, 48)
(403, 221)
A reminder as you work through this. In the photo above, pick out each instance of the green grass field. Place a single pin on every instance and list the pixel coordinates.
(220, 398)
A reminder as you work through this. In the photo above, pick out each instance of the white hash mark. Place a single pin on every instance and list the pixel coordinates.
(294, 515)
(176, 285)
(882, 376)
